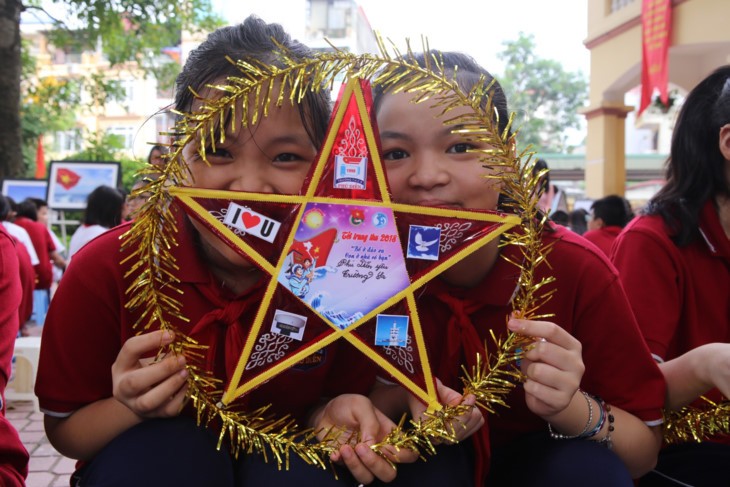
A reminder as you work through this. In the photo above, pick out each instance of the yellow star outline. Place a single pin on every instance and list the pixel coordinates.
(187, 196)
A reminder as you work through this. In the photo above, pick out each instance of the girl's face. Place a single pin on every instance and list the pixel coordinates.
(427, 165)
(272, 156)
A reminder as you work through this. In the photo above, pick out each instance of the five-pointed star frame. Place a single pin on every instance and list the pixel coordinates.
(462, 232)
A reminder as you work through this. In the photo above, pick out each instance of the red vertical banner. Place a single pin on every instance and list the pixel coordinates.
(656, 24)
(40, 160)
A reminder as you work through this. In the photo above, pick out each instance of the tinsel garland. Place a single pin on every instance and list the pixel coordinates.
(153, 268)
(697, 423)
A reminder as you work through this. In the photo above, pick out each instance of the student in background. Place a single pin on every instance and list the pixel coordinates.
(674, 262)
(103, 211)
(609, 215)
(13, 455)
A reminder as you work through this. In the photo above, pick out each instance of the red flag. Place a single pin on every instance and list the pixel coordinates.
(40, 160)
(67, 178)
(656, 22)
(317, 247)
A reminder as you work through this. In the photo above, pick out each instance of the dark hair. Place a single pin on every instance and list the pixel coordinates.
(467, 76)
(104, 207)
(541, 165)
(577, 220)
(560, 217)
(251, 39)
(28, 209)
(4, 208)
(695, 167)
(39, 203)
(158, 148)
(614, 210)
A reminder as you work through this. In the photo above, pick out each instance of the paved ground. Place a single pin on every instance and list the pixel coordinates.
(47, 468)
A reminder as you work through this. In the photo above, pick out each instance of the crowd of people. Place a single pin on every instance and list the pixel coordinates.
(639, 320)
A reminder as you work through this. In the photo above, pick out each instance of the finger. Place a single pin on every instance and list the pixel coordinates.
(164, 395)
(137, 346)
(544, 329)
(356, 467)
(378, 466)
(447, 395)
(556, 356)
(553, 377)
(135, 382)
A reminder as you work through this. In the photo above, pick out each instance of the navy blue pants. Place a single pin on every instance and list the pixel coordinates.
(538, 461)
(161, 452)
(695, 464)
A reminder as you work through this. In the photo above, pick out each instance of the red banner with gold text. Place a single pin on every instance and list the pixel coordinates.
(656, 22)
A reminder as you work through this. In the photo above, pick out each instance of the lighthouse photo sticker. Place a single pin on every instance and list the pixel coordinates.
(391, 331)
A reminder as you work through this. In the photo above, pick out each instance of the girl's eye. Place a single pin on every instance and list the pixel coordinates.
(218, 155)
(394, 155)
(460, 148)
(289, 157)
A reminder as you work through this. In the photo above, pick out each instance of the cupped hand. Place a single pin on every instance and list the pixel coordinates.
(151, 389)
(351, 415)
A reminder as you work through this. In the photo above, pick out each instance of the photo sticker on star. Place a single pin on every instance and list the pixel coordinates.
(423, 242)
(251, 222)
(391, 331)
(289, 324)
(351, 172)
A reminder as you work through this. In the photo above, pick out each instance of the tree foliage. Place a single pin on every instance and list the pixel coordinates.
(545, 97)
(127, 31)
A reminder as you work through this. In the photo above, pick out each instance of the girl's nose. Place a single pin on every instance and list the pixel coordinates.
(250, 180)
(429, 172)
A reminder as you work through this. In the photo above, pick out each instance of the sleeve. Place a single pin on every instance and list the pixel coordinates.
(618, 364)
(82, 334)
(650, 278)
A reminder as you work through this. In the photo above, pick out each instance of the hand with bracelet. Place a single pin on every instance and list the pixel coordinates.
(553, 368)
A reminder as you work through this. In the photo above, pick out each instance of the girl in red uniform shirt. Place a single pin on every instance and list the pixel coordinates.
(121, 416)
(556, 429)
(674, 262)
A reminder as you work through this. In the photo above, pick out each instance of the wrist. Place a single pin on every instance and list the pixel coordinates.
(575, 420)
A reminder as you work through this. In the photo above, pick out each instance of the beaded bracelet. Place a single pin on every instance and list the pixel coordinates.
(582, 434)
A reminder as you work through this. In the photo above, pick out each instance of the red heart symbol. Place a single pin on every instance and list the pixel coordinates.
(250, 220)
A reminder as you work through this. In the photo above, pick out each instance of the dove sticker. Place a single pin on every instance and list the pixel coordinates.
(423, 242)
(251, 222)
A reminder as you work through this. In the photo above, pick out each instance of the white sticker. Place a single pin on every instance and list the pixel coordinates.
(289, 324)
(251, 222)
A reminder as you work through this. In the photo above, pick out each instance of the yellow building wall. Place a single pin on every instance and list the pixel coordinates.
(700, 42)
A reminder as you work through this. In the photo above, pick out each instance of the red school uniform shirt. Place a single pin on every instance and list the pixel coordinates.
(588, 302)
(87, 324)
(43, 246)
(603, 238)
(13, 455)
(679, 294)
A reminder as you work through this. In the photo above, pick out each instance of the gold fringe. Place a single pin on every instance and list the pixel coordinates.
(697, 424)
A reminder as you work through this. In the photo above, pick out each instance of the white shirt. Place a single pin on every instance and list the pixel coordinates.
(22, 236)
(83, 235)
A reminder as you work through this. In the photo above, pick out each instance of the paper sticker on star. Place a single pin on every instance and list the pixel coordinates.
(342, 261)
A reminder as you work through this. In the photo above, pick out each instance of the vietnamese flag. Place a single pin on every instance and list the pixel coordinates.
(40, 160)
(316, 248)
(67, 178)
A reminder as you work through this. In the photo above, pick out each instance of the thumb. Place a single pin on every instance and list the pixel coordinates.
(448, 396)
